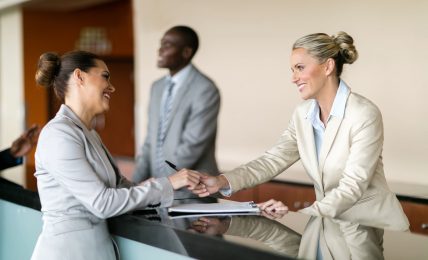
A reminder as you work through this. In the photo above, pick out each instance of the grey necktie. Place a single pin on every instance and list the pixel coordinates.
(164, 118)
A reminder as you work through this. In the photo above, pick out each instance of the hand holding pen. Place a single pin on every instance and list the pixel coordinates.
(207, 184)
(183, 178)
(170, 164)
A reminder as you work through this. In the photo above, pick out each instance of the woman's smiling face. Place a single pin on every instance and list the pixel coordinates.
(98, 88)
(307, 73)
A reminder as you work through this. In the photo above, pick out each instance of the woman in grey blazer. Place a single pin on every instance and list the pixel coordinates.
(78, 182)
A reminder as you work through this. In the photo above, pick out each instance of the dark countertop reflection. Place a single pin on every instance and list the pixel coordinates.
(293, 235)
(251, 236)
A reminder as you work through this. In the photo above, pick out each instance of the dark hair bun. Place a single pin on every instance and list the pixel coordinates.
(47, 69)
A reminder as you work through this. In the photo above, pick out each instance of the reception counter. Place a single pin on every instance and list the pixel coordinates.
(154, 234)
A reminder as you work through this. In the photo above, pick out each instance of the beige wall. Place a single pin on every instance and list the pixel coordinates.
(11, 84)
(245, 48)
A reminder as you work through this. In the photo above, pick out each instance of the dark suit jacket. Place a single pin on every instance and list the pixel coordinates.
(7, 160)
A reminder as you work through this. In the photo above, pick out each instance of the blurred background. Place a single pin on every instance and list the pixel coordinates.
(245, 48)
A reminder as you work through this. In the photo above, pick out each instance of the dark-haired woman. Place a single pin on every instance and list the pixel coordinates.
(78, 182)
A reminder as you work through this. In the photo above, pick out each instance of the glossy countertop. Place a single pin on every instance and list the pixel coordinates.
(252, 236)
(293, 235)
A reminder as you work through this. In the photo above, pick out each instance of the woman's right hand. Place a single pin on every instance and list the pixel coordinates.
(185, 178)
(202, 184)
(210, 185)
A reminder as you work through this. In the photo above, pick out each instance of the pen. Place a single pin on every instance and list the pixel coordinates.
(170, 164)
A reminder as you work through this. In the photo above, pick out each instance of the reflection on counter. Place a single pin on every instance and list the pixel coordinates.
(322, 238)
(154, 234)
(271, 233)
(297, 235)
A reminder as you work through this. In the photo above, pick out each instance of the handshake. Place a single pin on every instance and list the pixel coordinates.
(199, 183)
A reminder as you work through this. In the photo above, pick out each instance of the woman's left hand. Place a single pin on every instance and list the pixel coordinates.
(273, 209)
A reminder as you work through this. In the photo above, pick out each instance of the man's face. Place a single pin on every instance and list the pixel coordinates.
(171, 52)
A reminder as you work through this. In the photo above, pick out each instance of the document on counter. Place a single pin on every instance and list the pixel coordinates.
(212, 208)
(195, 216)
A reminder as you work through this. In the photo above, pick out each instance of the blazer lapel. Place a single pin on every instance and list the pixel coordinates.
(113, 165)
(180, 95)
(308, 142)
(329, 136)
(331, 130)
(96, 144)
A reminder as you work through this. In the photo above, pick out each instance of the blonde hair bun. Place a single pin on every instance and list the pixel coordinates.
(346, 45)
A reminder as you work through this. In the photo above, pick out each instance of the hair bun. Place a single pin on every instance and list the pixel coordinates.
(348, 52)
(47, 69)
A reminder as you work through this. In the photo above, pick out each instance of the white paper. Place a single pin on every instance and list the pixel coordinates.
(226, 207)
(195, 216)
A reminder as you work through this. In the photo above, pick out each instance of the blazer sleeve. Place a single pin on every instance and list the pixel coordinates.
(63, 156)
(200, 128)
(274, 161)
(7, 160)
(364, 157)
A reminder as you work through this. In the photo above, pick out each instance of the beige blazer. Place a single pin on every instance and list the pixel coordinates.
(348, 178)
(335, 239)
(269, 232)
(79, 186)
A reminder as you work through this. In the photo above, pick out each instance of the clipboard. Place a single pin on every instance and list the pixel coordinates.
(215, 208)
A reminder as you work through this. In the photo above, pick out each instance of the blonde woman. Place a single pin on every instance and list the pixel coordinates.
(338, 136)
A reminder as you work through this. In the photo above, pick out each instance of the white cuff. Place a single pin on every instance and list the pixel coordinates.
(227, 192)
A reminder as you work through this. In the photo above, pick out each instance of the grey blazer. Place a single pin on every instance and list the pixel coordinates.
(79, 186)
(191, 133)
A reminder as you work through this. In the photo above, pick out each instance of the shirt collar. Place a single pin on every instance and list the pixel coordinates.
(181, 76)
(338, 108)
(339, 103)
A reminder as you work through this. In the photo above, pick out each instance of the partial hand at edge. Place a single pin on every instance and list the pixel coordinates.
(25, 142)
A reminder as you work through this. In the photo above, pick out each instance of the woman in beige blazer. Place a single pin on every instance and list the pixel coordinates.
(338, 136)
(78, 182)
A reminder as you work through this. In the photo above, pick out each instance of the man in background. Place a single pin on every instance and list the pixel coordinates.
(182, 116)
